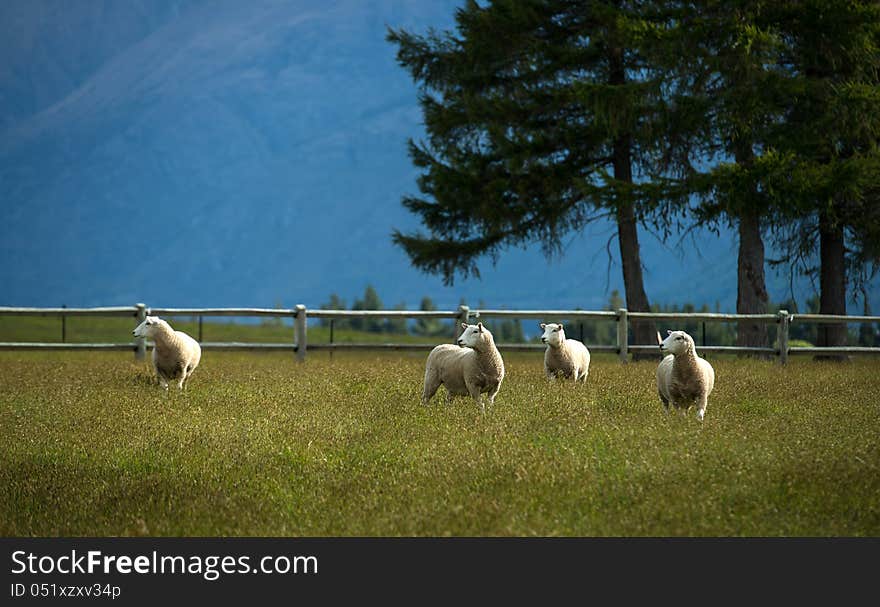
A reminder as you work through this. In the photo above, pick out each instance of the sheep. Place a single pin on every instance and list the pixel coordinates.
(472, 367)
(175, 354)
(683, 378)
(566, 357)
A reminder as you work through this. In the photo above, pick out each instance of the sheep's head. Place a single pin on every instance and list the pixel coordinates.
(148, 327)
(553, 335)
(473, 335)
(677, 342)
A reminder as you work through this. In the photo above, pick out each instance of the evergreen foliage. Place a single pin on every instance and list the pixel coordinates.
(370, 301)
(430, 327)
(540, 118)
(544, 115)
(335, 302)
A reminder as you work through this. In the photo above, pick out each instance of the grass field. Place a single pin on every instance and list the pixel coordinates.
(261, 445)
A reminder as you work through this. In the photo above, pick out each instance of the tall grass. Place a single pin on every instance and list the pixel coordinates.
(261, 445)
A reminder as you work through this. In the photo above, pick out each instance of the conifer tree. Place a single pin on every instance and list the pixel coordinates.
(830, 139)
(539, 120)
(335, 303)
(728, 94)
(778, 103)
(370, 301)
(429, 327)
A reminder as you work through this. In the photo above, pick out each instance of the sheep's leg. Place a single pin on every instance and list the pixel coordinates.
(475, 393)
(493, 393)
(432, 383)
(180, 375)
(186, 375)
(429, 392)
(701, 408)
(680, 407)
(163, 381)
(665, 403)
(449, 397)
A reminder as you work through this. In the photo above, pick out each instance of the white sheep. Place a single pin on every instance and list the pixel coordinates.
(175, 354)
(566, 357)
(472, 367)
(683, 378)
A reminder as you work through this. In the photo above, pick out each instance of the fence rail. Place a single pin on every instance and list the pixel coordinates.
(106, 311)
(300, 315)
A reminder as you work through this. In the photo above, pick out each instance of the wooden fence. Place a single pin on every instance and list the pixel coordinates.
(300, 315)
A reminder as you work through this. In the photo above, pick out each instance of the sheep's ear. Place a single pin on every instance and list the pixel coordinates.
(543, 326)
(668, 332)
(464, 325)
(480, 327)
(560, 326)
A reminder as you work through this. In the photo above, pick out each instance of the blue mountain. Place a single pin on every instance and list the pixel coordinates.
(228, 153)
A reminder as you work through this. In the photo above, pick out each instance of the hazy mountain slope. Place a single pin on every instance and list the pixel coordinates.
(50, 47)
(230, 153)
(233, 139)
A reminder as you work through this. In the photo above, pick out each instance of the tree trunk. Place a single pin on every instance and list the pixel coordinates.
(866, 329)
(832, 282)
(642, 333)
(751, 292)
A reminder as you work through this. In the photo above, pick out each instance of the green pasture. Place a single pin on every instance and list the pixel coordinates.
(263, 446)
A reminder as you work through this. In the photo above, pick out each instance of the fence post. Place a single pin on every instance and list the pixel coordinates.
(784, 319)
(63, 325)
(622, 335)
(140, 343)
(464, 313)
(300, 332)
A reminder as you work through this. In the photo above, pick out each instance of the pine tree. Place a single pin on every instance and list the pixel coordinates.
(778, 103)
(615, 302)
(370, 301)
(830, 137)
(429, 327)
(509, 331)
(335, 303)
(728, 95)
(539, 120)
(397, 325)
